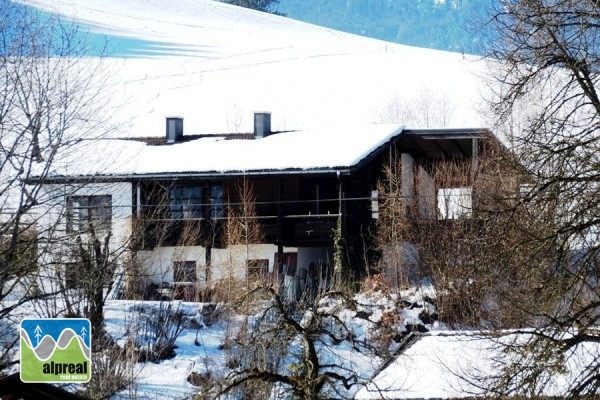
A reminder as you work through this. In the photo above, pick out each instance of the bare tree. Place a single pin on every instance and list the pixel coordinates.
(243, 226)
(287, 349)
(427, 108)
(49, 99)
(242, 231)
(96, 271)
(234, 117)
(546, 98)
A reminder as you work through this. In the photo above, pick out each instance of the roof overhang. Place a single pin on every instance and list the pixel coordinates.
(343, 171)
(442, 143)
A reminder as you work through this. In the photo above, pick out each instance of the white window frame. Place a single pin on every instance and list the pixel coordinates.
(455, 203)
(86, 210)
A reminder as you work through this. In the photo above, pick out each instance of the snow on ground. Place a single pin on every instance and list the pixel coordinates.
(432, 367)
(214, 64)
(168, 379)
(459, 364)
(204, 353)
(199, 351)
(438, 364)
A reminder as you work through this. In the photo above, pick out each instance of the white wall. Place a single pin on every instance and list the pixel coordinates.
(229, 262)
(157, 263)
(56, 245)
(53, 208)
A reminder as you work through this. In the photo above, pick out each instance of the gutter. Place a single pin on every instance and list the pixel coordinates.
(184, 175)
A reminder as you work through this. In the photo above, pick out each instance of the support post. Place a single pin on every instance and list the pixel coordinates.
(408, 182)
(338, 241)
(279, 265)
(138, 200)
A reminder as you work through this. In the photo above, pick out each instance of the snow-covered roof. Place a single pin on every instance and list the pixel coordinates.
(454, 364)
(328, 148)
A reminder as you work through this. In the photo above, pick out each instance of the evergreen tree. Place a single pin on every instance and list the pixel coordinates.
(260, 5)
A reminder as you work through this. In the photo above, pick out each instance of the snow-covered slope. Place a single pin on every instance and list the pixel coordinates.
(462, 364)
(214, 64)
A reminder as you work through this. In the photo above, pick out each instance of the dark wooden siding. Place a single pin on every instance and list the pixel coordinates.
(306, 207)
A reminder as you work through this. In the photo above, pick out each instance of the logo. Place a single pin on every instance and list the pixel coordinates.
(56, 350)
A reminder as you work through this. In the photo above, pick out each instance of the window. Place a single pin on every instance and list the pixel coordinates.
(288, 263)
(85, 212)
(375, 204)
(216, 201)
(72, 275)
(184, 271)
(454, 203)
(186, 202)
(258, 271)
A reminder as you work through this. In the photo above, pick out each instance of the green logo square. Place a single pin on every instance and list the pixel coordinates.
(56, 350)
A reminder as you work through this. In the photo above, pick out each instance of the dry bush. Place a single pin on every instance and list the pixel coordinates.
(375, 284)
(386, 332)
(113, 370)
(157, 331)
(224, 290)
(480, 258)
(136, 282)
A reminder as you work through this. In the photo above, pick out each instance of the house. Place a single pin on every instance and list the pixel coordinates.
(199, 209)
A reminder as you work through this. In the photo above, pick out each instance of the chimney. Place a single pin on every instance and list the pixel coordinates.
(174, 129)
(262, 124)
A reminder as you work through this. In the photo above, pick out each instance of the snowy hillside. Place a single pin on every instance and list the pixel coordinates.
(214, 64)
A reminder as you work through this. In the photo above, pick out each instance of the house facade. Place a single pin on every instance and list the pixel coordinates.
(197, 211)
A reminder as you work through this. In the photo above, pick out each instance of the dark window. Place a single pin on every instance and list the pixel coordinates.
(319, 196)
(72, 275)
(288, 263)
(184, 271)
(84, 212)
(186, 202)
(216, 201)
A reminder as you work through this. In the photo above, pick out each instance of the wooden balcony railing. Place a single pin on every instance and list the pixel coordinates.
(295, 230)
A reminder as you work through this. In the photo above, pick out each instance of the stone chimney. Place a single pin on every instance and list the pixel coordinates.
(174, 129)
(262, 124)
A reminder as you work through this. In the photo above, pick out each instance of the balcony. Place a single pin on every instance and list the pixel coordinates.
(178, 232)
(296, 230)
(301, 230)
